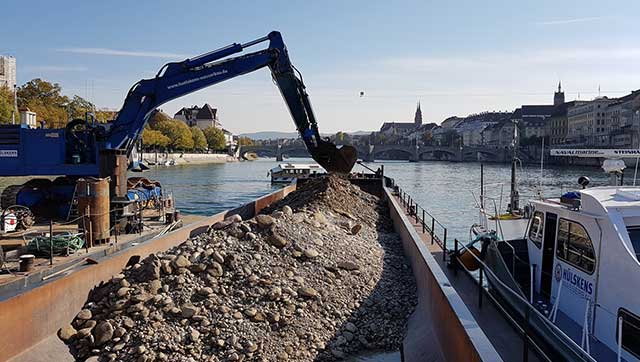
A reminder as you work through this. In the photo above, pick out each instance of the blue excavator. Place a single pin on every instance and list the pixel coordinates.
(89, 149)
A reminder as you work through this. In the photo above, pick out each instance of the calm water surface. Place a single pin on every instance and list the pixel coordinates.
(443, 188)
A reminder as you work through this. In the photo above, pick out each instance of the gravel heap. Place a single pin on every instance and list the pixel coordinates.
(320, 277)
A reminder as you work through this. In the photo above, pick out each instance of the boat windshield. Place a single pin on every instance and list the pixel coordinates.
(634, 235)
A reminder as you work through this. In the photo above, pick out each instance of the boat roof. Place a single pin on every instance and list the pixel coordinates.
(297, 166)
(602, 201)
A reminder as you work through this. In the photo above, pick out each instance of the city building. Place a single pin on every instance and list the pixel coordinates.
(557, 126)
(202, 118)
(623, 121)
(531, 120)
(587, 123)
(402, 129)
(499, 135)
(7, 71)
(558, 97)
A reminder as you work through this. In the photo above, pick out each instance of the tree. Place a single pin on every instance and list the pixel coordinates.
(215, 138)
(46, 100)
(6, 105)
(157, 117)
(199, 141)
(178, 133)
(245, 141)
(79, 106)
(153, 138)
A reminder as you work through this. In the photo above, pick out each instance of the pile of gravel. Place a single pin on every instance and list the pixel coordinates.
(319, 278)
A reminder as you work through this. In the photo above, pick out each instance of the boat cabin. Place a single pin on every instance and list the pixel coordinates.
(287, 172)
(584, 251)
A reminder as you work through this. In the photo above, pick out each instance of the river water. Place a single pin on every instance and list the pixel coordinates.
(443, 188)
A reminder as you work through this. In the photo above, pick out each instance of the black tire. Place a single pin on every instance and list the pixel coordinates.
(9, 195)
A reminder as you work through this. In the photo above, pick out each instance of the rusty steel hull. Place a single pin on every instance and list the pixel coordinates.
(34, 315)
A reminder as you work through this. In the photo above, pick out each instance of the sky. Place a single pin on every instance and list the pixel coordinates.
(455, 57)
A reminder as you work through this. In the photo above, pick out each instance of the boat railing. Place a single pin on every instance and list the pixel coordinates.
(528, 316)
(429, 223)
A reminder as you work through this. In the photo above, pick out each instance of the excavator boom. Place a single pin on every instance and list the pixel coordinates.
(73, 152)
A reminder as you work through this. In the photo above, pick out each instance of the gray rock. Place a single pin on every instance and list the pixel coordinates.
(264, 221)
(278, 241)
(66, 333)
(84, 314)
(103, 332)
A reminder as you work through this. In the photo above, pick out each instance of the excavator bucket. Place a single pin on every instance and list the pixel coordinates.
(335, 159)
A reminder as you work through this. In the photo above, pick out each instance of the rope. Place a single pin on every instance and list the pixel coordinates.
(63, 244)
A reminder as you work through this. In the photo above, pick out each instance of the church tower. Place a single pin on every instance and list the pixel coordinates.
(417, 120)
(558, 97)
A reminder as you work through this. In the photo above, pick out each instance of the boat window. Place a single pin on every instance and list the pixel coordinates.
(536, 228)
(630, 332)
(634, 235)
(575, 247)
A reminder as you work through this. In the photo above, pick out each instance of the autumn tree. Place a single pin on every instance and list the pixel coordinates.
(215, 138)
(46, 100)
(6, 105)
(153, 138)
(78, 107)
(245, 141)
(178, 132)
(199, 140)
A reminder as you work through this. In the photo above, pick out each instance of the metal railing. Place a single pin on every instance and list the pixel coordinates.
(524, 324)
(430, 225)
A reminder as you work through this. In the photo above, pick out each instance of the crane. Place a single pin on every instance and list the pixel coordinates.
(74, 151)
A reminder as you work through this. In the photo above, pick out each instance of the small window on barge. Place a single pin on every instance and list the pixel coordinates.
(630, 332)
(574, 246)
(634, 235)
(537, 228)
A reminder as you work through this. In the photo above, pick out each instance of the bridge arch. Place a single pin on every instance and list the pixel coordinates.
(387, 153)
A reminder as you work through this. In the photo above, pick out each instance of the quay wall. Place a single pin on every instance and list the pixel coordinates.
(453, 327)
(34, 315)
(188, 158)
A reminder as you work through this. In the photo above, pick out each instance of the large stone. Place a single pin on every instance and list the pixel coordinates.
(188, 310)
(66, 332)
(286, 209)
(311, 253)
(278, 241)
(265, 221)
(103, 332)
(84, 314)
(181, 262)
(308, 292)
(348, 265)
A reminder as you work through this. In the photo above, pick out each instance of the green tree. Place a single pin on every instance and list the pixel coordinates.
(79, 106)
(178, 133)
(6, 105)
(157, 117)
(215, 138)
(245, 141)
(199, 141)
(46, 100)
(153, 138)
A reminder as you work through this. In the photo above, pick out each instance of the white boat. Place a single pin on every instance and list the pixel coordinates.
(575, 274)
(288, 172)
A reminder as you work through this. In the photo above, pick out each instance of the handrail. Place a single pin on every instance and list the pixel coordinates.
(529, 308)
(425, 219)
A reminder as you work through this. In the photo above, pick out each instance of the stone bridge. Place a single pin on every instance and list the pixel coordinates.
(411, 153)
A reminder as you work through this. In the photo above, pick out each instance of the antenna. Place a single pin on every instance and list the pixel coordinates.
(541, 167)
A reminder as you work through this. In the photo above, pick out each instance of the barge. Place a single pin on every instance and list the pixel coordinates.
(442, 328)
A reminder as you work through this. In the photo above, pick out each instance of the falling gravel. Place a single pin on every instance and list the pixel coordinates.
(319, 276)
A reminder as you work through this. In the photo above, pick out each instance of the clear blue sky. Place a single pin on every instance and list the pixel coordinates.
(456, 57)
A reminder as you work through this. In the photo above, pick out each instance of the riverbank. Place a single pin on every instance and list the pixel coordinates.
(187, 158)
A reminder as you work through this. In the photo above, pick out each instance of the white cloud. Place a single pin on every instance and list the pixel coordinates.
(570, 21)
(121, 53)
(56, 68)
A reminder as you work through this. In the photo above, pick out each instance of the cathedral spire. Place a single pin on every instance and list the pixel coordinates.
(417, 120)
(558, 97)
(559, 86)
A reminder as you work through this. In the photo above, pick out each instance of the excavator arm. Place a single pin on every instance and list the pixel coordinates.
(180, 78)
